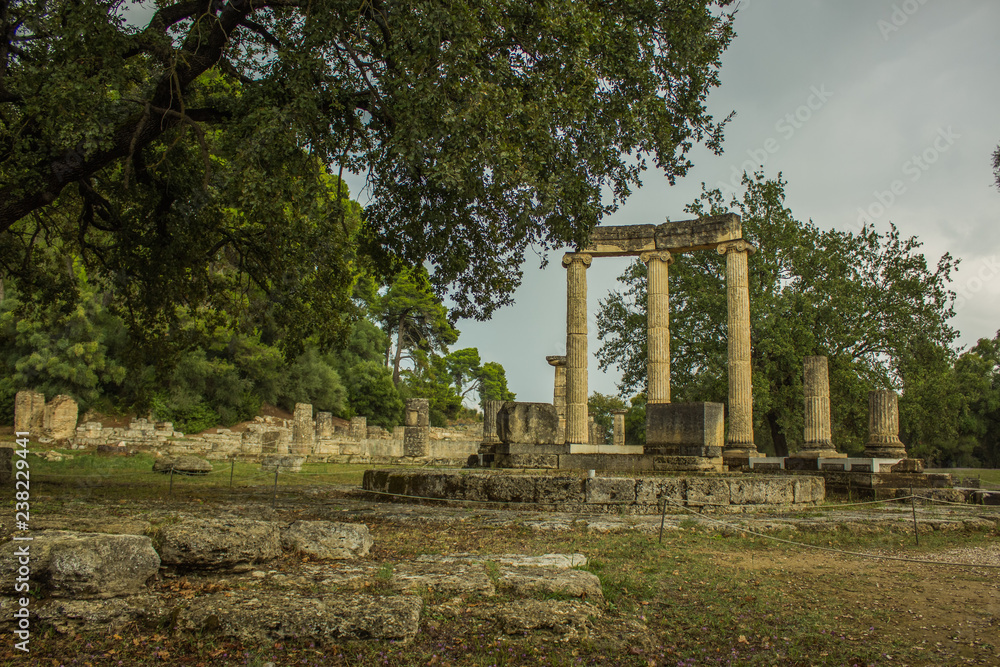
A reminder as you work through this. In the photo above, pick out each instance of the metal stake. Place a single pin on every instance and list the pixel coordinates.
(171, 480)
(663, 517)
(913, 508)
(275, 501)
(231, 470)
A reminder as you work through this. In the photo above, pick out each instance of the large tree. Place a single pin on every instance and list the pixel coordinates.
(862, 300)
(483, 128)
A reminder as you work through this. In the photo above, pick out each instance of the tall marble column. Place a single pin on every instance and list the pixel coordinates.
(818, 442)
(739, 436)
(618, 434)
(883, 426)
(658, 326)
(559, 392)
(576, 346)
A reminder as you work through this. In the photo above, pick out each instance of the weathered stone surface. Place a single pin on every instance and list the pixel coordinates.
(559, 489)
(416, 435)
(303, 430)
(85, 565)
(282, 463)
(611, 490)
(649, 490)
(510, 488)
(248, 616)
(528, 423)
(182, 465)
(528, 581)
(685, 429)
(621, 240)
(908, 465)
(324, 424)
(91, 524)
(707, 491)
(523, 461)
(549, 561)
(101, 615)
(219, 543)
(570, 618)
(883, 426)
(327, 539)
(59, 421)
(450, 579)
(29, 412)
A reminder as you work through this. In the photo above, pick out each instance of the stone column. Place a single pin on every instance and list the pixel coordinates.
(739, 435)
(359, 428)
(818, 441)
(490, 410)
(303, 430)
(883, 426)
(324, 424)
(559, 391)
(29, 413)
(618, 437)
(658, 326)
(417, 434)
(576, 346)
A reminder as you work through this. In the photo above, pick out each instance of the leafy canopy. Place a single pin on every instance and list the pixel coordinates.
(483, 128)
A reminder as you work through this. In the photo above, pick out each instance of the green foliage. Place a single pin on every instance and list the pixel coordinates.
(493, 383)
(600, 407)
(311, 379)
(430, 379)
(859, 299)
(484, 128)
(371, 393)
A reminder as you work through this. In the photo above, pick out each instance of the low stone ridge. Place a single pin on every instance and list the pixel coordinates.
(528, 581)
(639, 495)
(85, 565)
(104, 615)
(182, 465)
(327, 539)
(246, 616)
(450, 579)
(551, 561)
(219, 543)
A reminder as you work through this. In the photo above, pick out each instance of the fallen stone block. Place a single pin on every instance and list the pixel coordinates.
(101, 615)
(560, 617)
(327, 539)
(246, 616)
(84, 565)
(451, 579)
(219, 543)
(182, 465)
(528, 581)
(555, 561)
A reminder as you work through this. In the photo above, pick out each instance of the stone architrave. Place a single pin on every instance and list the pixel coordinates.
(576, 347)
(558, 362)
(618, 433)
(883, 426)
(60, 415)
(490, 410)
(324, 424)
(818, 441)
(739, 438)
(29, 412)
(303, 430)
(520, 423)
(416, 436)
(359, 428)
(658, 326)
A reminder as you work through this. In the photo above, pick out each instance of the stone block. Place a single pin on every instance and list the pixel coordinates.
(649, 490)
(707, 491)
(324, 424)
(559, 489)
(510, 488)
(86, 565)
(685, 429)
(543, 461)
(282, 463)
(779, 491)
(611, 490)
(59, 420)
(29, 412)
(747, 491)
(698, 233)
(181, 465)
(528, 423)
(327, 539)
(219, 543)
(359, 428)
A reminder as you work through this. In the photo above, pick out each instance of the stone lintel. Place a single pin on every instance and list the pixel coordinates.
(679, 236)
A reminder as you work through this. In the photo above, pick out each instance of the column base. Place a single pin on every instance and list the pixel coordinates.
(881, 451)
(817, 454)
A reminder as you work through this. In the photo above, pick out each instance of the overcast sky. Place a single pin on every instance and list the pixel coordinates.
(847, 98)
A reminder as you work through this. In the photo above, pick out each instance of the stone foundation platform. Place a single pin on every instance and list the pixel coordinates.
(618, 495)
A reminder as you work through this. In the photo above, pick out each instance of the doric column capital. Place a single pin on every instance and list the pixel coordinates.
(581, 257)
(619, 412)
(556, 360)
(739, 245)
(662, 255)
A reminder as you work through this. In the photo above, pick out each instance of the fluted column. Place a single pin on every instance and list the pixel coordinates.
(576, 346)
(883, 426)
(490, 410)
(818, 440)
(618, 437)
(559, 392)
(658, 326)
(739, 436)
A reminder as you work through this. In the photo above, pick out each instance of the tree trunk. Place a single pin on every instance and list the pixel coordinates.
(777, 436)
(399, 352)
